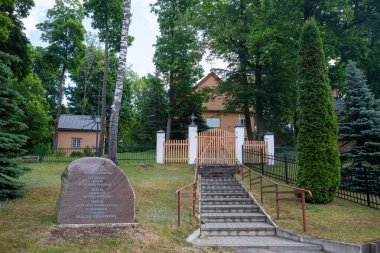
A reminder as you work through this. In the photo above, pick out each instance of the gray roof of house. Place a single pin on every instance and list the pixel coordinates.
(77, 122)
(338, 105)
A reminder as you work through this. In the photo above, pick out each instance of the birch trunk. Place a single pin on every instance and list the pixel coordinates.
(115, 108)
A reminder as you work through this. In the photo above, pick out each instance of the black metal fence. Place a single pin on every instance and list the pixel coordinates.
(361, 186)
(137, 153)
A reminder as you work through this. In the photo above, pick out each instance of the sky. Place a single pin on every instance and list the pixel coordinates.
(144, 28)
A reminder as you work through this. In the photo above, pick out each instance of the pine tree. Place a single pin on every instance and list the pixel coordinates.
(11, 141)
(317, 140)
(361, 123)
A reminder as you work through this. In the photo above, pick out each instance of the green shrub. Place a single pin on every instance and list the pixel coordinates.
(87, 151)
(318, 132)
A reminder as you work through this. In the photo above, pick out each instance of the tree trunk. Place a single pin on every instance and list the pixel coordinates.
(59, 108)
(248, 123)
(168, 127)
(115, 108)
(103, 123)
(247, 113)
(259, 106)
(170, 102)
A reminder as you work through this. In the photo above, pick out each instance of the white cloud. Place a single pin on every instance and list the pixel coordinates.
(37, 15)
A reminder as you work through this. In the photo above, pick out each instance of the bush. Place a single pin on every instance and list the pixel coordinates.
(318, 132)
(88, 151)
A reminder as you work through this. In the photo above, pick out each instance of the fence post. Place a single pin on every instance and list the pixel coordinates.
(269, 138)
(286, 169)
(262, 161)
(160, 146)
(41, 159)
(193, 132)
(239, 142)
(367, 186)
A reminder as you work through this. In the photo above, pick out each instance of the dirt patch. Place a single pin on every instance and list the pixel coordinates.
(58, 236)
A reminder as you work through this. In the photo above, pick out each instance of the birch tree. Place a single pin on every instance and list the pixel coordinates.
(115, 108)
(106, 16)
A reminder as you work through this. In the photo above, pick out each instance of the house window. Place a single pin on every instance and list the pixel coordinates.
(76, 143)
(242, 122)
(213, 122)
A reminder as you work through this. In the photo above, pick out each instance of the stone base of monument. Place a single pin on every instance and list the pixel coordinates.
(95, 193)
(105, 225)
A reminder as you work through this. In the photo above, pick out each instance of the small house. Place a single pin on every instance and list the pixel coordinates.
(77, 132)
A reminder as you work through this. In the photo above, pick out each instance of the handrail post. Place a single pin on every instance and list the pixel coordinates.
(304, 211)
(250, 179)
(194, 197)
(261, 189)
(277, 204)
(179, 208)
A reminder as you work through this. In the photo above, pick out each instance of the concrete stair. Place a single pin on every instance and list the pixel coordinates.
(231, 218)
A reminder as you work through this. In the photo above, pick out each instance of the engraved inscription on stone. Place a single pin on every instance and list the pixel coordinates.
(95, 191)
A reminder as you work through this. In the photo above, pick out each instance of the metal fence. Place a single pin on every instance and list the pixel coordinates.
(361, 186)
(137, 153)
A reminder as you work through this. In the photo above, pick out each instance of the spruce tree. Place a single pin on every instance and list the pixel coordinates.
(361, 127)
(361, 124)
(318, 132)
(11, 141)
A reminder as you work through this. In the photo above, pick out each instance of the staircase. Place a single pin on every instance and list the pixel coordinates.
(231, 218)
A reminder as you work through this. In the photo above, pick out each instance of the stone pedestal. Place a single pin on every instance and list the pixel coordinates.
(95, 191)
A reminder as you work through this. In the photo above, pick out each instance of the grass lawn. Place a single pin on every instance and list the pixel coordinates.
(340, 220)
(28, 224)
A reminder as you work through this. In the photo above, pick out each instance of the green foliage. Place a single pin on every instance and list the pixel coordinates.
(128, 127)
(106, 16)
(76, 154)
(361, 122)
(151, 109)
(12, 38)
(317, 140)
(47, 72)
(64, 32)
(83, 97)
(36, 113)
(11, 139)
(14, 63)
(177, 57)
(88, 151)
(256, 39)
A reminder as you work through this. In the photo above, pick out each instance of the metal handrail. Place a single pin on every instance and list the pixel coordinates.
(259, 180)
(185, 191)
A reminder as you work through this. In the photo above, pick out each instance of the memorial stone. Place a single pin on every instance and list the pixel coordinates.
(95, 191)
